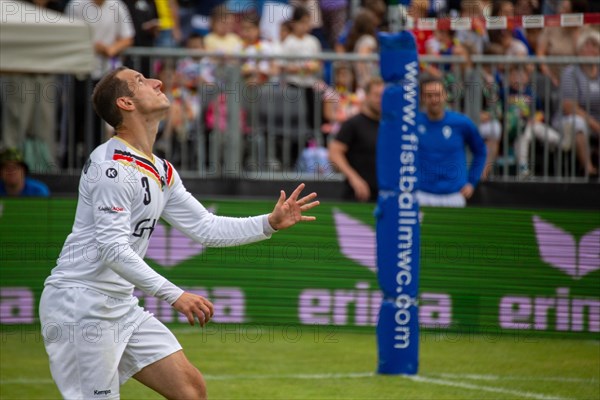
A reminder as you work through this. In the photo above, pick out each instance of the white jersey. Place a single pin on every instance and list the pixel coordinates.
(122, 195)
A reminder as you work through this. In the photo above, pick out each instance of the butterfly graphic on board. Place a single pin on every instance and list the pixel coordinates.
(356, 240)
(169, 246)
(559, 249)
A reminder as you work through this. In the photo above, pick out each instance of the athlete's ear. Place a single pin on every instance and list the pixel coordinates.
(125, 103)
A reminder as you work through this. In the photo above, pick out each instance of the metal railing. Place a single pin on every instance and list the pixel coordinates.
(241, 129)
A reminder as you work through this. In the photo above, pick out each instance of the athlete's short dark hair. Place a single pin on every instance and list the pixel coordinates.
(105, 95)
(428, 79)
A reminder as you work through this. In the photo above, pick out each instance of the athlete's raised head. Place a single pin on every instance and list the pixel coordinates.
(132, 104)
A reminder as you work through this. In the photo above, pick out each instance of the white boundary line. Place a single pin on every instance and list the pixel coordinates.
(464, 385)
(351, 375)
(477, 377)
(348, 375)
(452, 380)
(25, 381)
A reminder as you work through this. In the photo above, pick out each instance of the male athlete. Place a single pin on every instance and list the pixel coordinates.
(96, 335)
(445, 180)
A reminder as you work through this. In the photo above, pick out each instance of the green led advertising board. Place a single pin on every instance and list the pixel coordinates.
(482, 269)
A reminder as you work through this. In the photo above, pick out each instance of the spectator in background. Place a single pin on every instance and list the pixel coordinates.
(362, 39)
(241, 9)
(348, 100)
(169, 32)
(186, 9)
(335, 14)
(550, 7)
(527, 7)
(112, 32)
(526, 119)
(255, 73)
(285, 30)
(377, 7)
(481, 84)
(29, 116)
(420, 9)
(180, 86)
(315, 18)
(442, 43)
(145, 24)
(302, 74)
(580, 93)
(273, 14)
(29, 113)
(444, 178)
(221, 37)
(511, 45)
(14, 181)
(193, 70)
(477, 37)
(223, 40)
(353, 150)
(559, 41)
(255, 70)
(529, 37)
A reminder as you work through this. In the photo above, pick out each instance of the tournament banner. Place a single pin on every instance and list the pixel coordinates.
(397, 209)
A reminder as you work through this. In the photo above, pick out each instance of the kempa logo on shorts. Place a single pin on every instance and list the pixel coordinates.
(102, 392)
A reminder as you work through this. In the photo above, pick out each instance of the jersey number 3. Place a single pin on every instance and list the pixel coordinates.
(146, 185)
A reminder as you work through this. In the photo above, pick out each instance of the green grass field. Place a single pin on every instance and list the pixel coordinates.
(265, 362)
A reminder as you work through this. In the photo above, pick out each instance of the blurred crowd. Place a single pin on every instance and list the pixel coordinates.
(557, 105)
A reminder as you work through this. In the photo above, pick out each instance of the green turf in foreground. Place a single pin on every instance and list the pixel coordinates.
(262, 362)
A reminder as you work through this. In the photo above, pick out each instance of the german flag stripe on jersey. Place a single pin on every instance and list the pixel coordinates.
(140, 162)
(169, 168)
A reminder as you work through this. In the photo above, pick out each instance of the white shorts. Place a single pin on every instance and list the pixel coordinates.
(491, 130)
(97, 342)
(441, 200)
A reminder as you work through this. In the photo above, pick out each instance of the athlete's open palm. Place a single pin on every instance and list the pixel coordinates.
(288, 212)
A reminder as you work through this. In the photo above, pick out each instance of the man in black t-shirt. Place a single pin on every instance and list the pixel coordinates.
(353, 151)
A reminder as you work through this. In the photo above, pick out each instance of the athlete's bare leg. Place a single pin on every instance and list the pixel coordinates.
(174, 377)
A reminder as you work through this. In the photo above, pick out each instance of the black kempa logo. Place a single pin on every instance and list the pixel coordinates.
(102, 392)
(111, 173)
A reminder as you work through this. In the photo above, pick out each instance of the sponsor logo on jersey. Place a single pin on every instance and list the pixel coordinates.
(111, 173)
(111, 209)
(447, 132)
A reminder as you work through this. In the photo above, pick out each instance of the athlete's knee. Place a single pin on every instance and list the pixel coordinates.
(194, 387)
(192, 392)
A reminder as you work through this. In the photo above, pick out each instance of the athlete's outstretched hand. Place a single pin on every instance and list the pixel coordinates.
(194, 306)
(289, 212)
